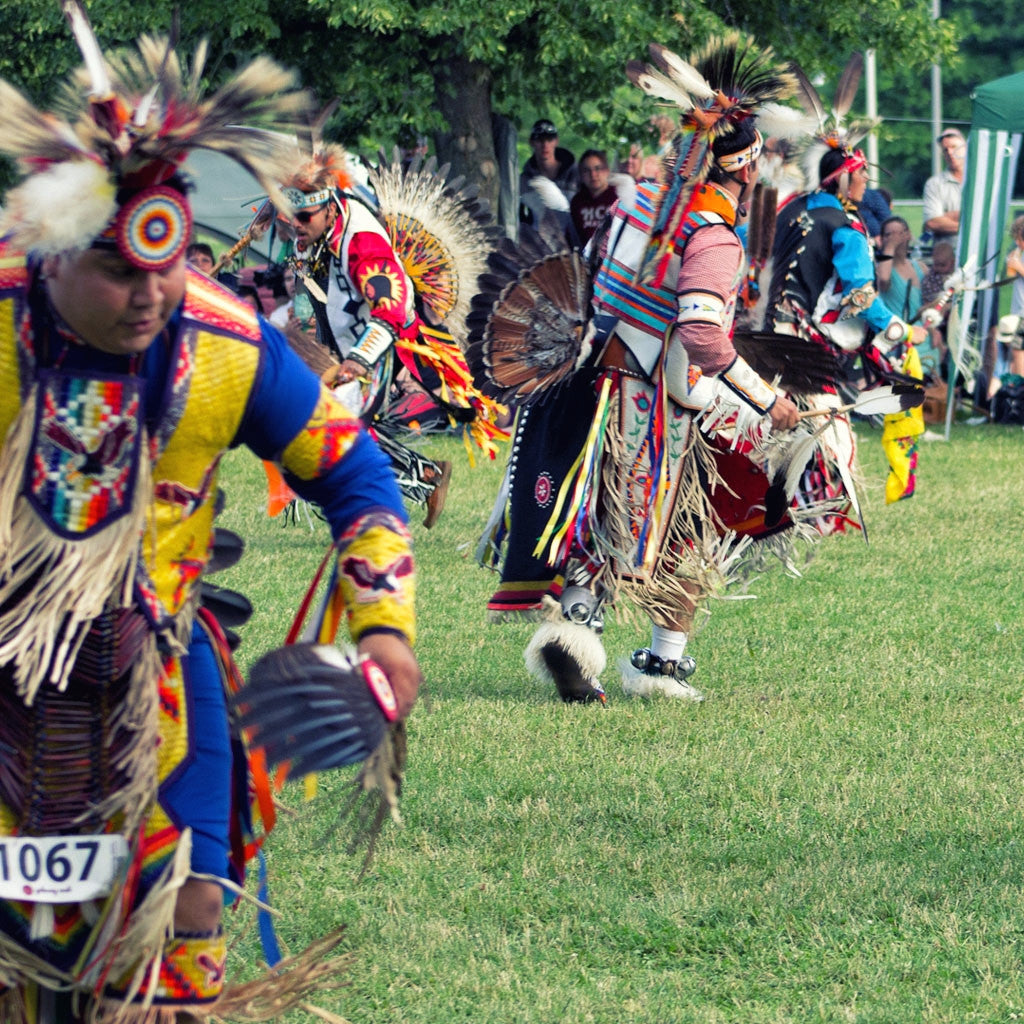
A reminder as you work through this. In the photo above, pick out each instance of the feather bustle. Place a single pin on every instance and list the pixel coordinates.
(526, 329)
(441, 231)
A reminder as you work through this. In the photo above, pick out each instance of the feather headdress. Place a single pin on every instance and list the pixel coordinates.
(721, 88)
(313, 173)
(831, 129)
(100, 165)
(320, 170)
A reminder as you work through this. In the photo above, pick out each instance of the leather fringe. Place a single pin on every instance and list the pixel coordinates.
(50, 587)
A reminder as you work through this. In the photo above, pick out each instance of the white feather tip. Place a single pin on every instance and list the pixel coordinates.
(686, 76)
(775, 120)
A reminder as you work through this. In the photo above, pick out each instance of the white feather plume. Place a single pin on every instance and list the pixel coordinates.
(685, 75)
(552, 197)
(625, 188)
(37, 221)
(783, 176)
(92, 55)
(788, 456)
(660, 87)
(775, 120)
(811, 161)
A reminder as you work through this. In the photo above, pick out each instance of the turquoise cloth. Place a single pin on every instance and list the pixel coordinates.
(904, 299)
(897, 299)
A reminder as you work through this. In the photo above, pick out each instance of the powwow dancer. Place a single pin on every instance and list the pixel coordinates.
(126, 376)
(649, 456)
(381, 284)
(822, 288)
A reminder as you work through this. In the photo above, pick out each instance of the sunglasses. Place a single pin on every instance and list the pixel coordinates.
(305, 216)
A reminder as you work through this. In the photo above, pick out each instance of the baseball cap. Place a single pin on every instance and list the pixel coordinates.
(543, 129)
(950, 133)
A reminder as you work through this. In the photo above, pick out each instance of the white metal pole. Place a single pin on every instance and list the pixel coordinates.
(936, 103)
(871, 90)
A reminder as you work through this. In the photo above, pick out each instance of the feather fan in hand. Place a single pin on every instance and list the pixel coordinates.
(312, 706)
(802, 366)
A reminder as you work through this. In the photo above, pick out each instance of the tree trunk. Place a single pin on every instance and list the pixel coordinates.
(463, 91)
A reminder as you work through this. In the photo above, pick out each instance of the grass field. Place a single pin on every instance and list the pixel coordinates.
(834, 835)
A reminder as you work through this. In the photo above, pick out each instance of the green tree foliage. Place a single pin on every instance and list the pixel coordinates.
(445, 66)
(985, 34)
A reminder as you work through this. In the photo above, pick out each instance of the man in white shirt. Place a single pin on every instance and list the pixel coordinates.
(942, 191)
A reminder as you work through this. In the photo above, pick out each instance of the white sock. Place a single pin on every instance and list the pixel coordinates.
(667, 644)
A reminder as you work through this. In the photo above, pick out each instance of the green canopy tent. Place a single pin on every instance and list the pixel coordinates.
(993, 145)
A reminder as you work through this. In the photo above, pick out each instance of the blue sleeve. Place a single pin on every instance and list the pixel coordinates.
(851, 257)
(361, 482)
(283, 399)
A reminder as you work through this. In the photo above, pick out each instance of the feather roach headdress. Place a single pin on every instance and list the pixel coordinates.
(320, 171)
(104, 169)
(830, 130)
(314, 173)
(720, 91)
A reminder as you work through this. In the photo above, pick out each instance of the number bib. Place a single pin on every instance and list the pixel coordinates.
(60, 869)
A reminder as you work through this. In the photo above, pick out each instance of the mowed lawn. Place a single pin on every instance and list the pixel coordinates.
(834, 835)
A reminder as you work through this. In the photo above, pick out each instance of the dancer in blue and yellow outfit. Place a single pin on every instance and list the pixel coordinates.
(125, 377)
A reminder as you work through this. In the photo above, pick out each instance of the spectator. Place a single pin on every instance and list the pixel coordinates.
(665, 128)
(549, 161)
(898, 275)
(943, 264)
(294, 313)
(591, 204)
(633, 165)
(942, 191)
(200, 256)
(248, 294)
(1015, 269)
(280, 316)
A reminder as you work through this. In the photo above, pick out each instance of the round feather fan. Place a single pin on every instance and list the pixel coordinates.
(529, 319)
(313, 706)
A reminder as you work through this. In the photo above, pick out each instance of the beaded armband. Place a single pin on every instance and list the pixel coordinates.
(701, 307)
(375, 340)
(740, 378)
(377, 576)
(191, 973)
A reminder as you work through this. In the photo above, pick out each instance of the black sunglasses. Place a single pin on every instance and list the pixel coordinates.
(305, 216)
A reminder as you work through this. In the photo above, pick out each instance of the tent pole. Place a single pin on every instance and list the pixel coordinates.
(936, 101)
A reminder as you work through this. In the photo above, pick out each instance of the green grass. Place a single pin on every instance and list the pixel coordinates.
(834, 835)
